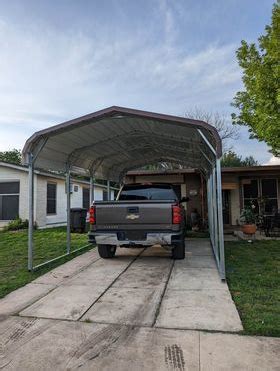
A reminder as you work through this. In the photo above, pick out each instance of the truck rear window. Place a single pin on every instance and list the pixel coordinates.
(147, 192)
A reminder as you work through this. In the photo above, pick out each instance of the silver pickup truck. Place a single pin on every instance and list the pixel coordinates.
(142, 215)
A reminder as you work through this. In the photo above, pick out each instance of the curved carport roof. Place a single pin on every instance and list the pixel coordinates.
(112, 141)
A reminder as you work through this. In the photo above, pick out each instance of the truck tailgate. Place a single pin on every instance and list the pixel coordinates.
(123, 213)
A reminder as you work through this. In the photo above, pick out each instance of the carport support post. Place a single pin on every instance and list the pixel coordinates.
(68, 195)
(215, 224)
(220, 219)
(91, 190)
(108, 190)
(31, 210)
(208, 205)
(210, 208)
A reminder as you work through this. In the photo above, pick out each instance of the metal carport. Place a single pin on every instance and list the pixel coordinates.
(108, 143)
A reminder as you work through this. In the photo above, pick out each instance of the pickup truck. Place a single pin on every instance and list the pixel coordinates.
(143, 215)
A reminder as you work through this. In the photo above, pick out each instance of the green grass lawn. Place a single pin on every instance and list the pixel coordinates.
(48, 244)
(253, 276)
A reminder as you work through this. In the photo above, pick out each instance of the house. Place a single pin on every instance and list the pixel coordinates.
(49, 195)
(259, 185)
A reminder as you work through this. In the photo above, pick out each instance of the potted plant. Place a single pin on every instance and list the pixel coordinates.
(248, 219)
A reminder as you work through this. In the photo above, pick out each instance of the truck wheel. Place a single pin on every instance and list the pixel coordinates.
(178, 251)
(106, 251)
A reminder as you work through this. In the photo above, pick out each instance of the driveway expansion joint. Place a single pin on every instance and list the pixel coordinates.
(111, 284)
(163, 293)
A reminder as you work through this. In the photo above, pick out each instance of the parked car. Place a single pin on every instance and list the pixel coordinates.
(142, 215)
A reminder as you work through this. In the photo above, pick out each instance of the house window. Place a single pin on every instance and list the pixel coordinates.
(269, 195)
(86, 198)
(262, 193)
(51, 198)
(251, 193)
(105, 195)
(9, 200)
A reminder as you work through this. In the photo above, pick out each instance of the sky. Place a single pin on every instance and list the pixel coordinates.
(61, 59)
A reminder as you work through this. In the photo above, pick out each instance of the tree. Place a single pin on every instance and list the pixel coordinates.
(13, 156)
(231, 159)
(259, 103)
(225, 129)
(249, 161)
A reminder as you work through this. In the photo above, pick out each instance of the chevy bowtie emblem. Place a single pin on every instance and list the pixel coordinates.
(132, 216)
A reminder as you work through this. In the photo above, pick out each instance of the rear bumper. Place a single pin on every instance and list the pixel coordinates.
(153, 238)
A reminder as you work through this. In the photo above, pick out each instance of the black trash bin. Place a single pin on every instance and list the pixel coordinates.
(78, 217)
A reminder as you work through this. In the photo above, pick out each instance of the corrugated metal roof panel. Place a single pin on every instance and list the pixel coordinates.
(114, 140)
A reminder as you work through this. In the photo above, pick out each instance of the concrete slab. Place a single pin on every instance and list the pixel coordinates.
(156, 251)
(233, 352)
(126, 306)
(101, 272)
(38, 344)
(64, 271)
(147, 349)
(16, 335)
(152, 261)
(194, 261)
(201, 249)
(139, 277)
(195, 279)
(22, 297)
(65, 302)
(199, 309)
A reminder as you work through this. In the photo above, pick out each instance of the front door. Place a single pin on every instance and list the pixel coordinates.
(226, 206)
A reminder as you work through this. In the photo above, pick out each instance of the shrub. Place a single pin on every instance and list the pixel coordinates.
(18, 224)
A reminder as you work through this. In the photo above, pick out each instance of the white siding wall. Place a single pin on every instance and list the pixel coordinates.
(40, 196)
(60, 216)
(76, 199)
(98, 193)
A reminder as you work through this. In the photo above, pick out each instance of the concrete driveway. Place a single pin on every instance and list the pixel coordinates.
(140, 310)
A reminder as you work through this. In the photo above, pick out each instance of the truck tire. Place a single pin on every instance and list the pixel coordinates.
(178, 251)
(106, 251)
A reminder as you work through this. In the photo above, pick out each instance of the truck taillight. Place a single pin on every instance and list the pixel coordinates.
(92, 218)
(176, 214)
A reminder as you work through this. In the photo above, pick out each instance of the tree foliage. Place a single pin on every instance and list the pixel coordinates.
(13, 156)
(259, 103)
(231, 159)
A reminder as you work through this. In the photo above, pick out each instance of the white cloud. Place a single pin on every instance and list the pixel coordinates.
(273, 161)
